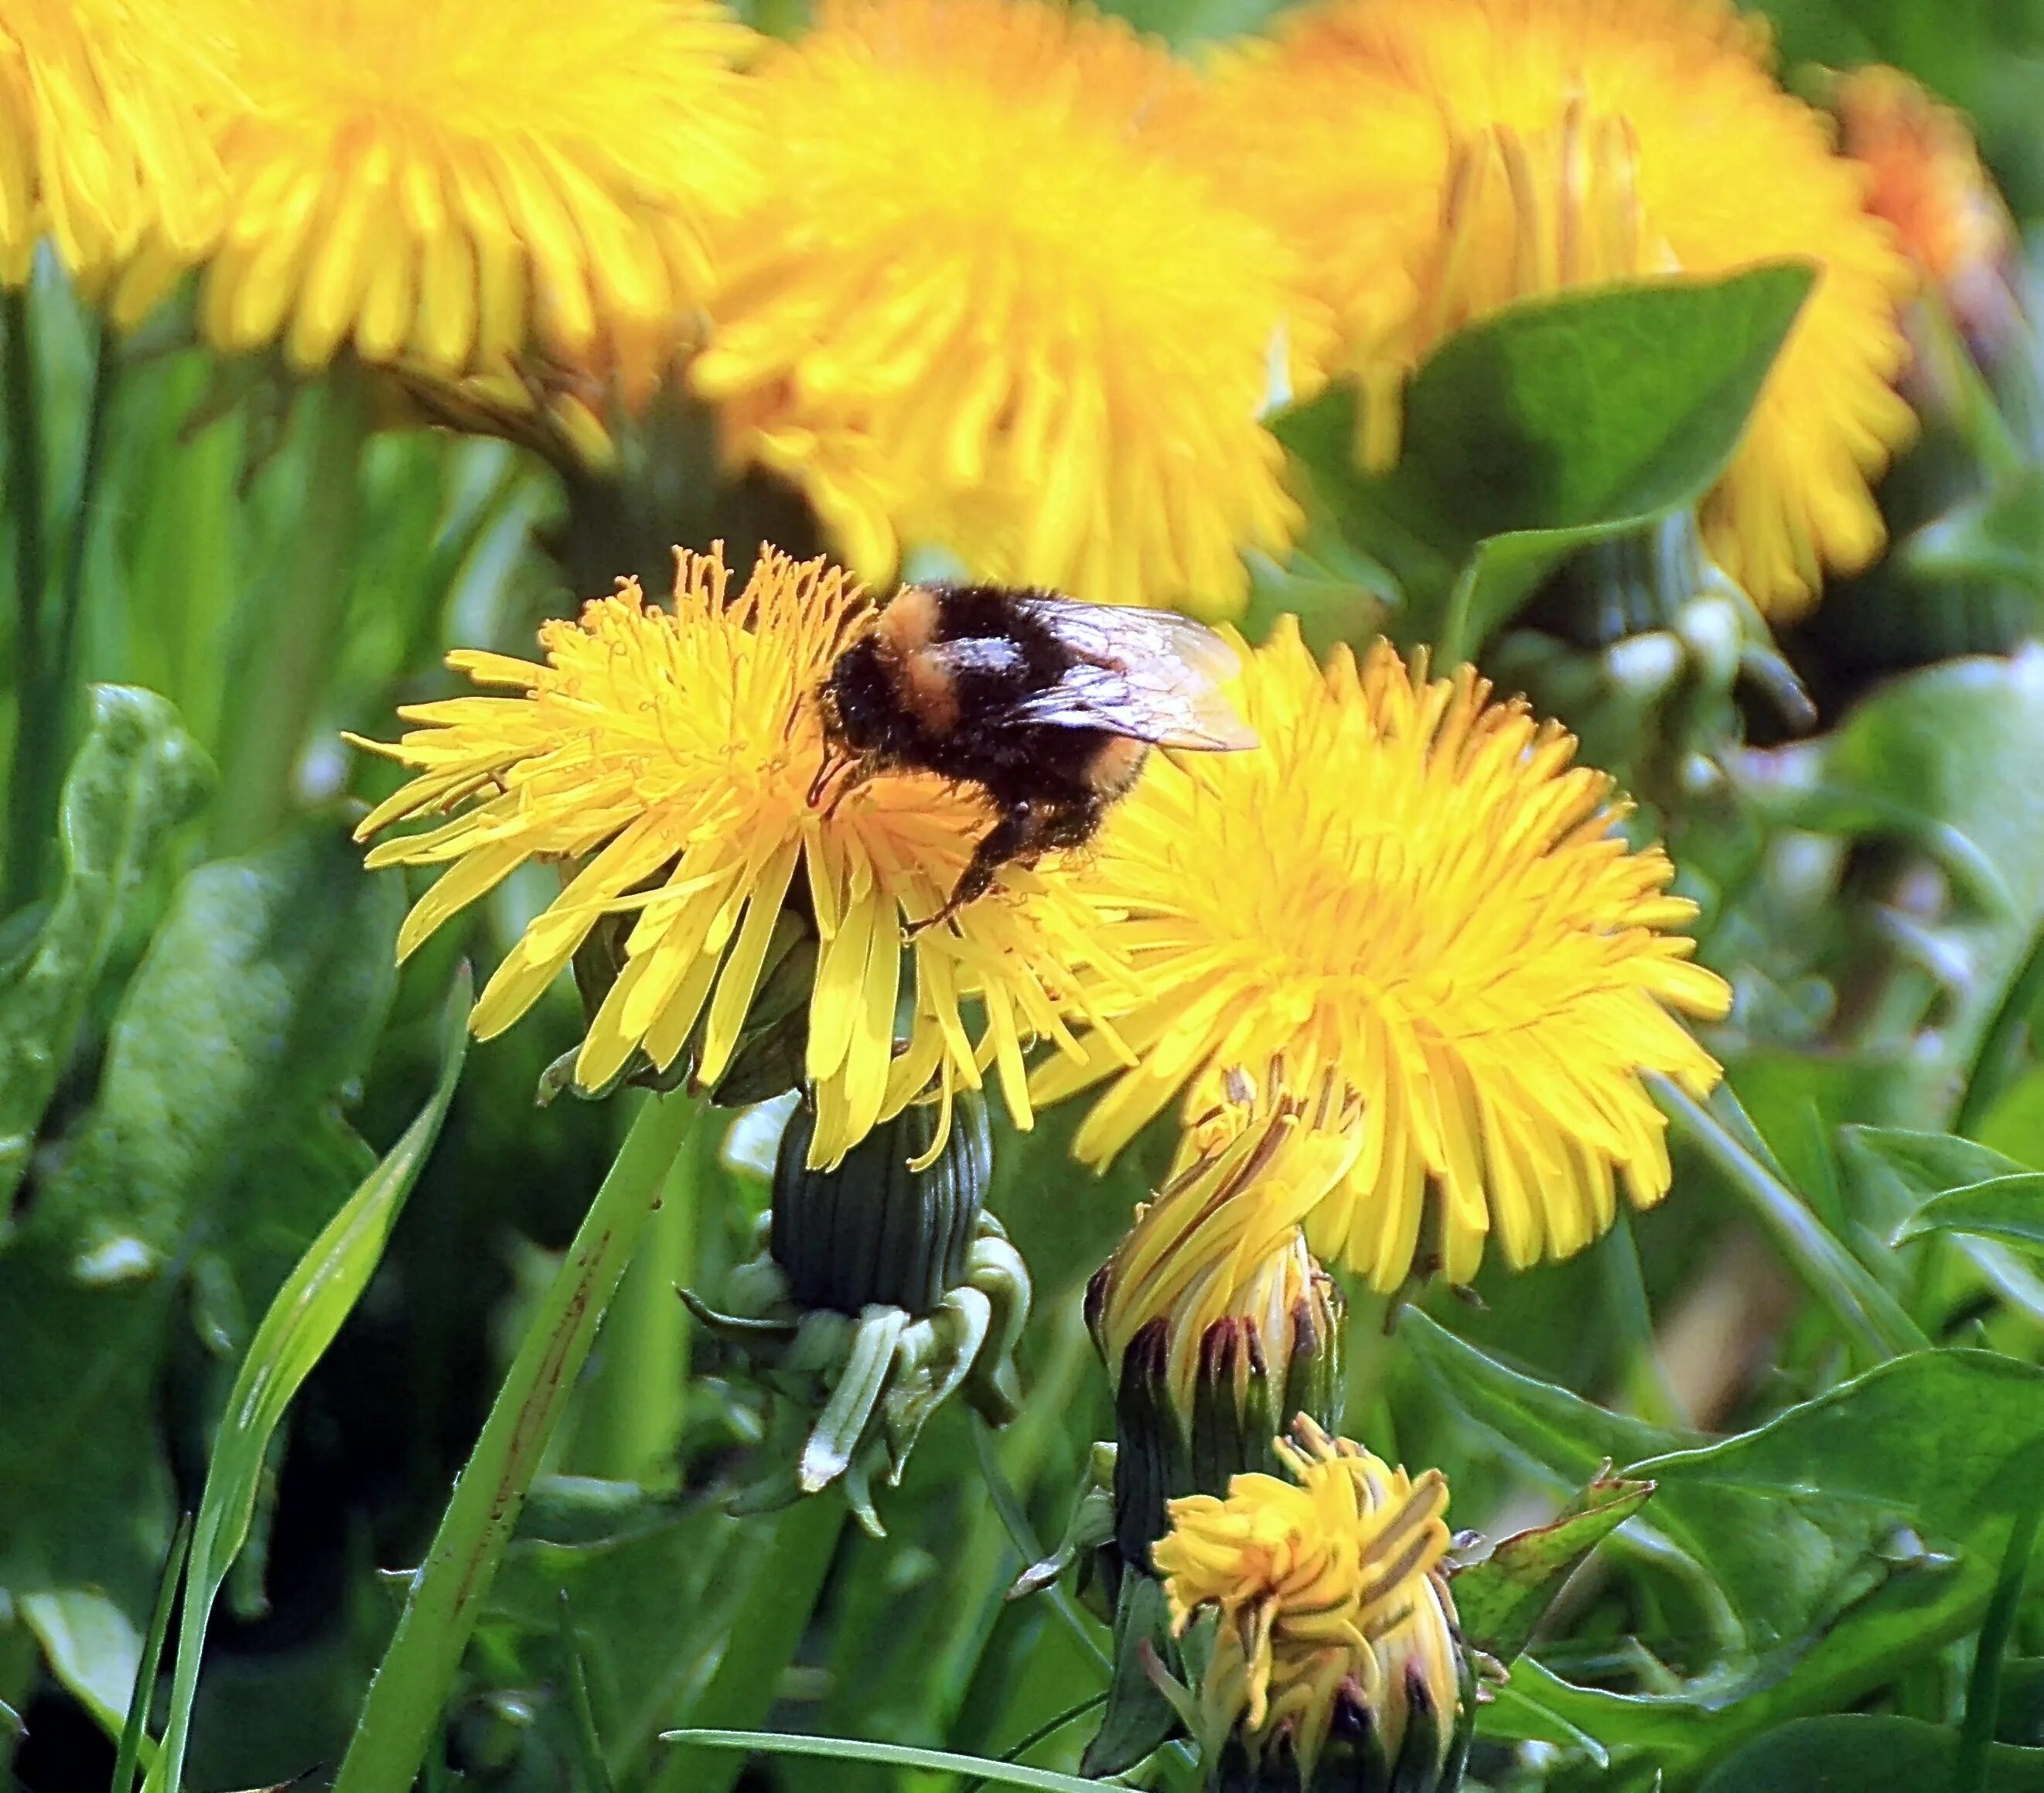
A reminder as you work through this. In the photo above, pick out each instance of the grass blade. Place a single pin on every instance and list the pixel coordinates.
(895, 1755)
(137, 1724)
(309, 1311)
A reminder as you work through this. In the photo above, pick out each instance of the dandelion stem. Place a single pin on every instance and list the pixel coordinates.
(30, 772)
(405, 1700)
(295, 634)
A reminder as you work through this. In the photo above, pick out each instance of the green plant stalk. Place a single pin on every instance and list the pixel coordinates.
(1865, 1311)
(135, 1732)
(34, 768)
(1969, 1767)
(783, 1595)
(298, 632)
(402, 1708)
(636, 1402)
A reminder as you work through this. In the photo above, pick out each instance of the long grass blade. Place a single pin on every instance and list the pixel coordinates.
(895, 1755)
(137, 1725)
(309, 1311)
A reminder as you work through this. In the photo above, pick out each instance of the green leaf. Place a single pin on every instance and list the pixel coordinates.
(259, 1000)
(1500, 1600)
(317, 1296)
(137, 776)
(1868, 1752)
(896, 1755)
(1549, 425)
(1139, 1720)
(2010, 1209)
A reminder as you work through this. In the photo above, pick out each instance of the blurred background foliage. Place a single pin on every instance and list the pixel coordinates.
(206, 1049)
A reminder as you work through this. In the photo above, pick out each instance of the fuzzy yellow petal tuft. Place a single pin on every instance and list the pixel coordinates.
(442, 184)
(1410, 889)
(973, 308)
(667, 755)
(100, 140)
(1434, 161)
(1328, 1586)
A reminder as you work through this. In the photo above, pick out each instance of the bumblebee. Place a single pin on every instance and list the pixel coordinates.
(1048, 706)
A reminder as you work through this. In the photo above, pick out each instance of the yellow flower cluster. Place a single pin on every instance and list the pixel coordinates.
(1328, 1587)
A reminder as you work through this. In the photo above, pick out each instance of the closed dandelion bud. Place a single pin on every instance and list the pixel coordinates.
(892, 1223)
(1333, 1662)
(882, 1288)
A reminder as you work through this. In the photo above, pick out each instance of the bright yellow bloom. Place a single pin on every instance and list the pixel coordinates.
(1327, 1586)
(99, 139)
(972, 309)
(1435, 161)
(1927, 181)
(1221, 1241)
(668, 755)
(1410, 889)
(443, 182)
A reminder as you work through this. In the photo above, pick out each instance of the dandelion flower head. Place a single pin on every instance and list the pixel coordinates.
(667, 756)
(442, 184)
(1327, 1585)
(973, 309)
(1411, 890)
(99, 140)
(1437, 161)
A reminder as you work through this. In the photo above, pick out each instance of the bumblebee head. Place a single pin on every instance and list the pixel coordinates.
(859, 704)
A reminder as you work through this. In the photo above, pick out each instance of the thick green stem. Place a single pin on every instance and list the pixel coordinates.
(636, 1402)
(296, 634)
(32, 773)
(405, 1700)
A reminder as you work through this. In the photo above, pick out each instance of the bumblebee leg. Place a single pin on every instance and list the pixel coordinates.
(1022, 829)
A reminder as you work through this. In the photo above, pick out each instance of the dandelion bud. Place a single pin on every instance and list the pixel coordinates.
(883, 1287)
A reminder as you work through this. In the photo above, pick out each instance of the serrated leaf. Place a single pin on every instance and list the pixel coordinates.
(1549, 425)
(1500, 1599)
(135, 777)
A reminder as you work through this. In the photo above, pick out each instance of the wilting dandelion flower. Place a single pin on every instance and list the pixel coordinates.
(99, 140)
(668, 756)
(1410, 889)
(1435, 161)
(1330, 1591)
(973, 309)
(443, 183)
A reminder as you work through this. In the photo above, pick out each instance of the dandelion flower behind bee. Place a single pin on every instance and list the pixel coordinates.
(667, 756)
(1435, 161)
(442, 183)
(972, 308)
(1410, 889)
(99, 142)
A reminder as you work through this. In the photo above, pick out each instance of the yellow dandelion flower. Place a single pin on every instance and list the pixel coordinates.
(441, 182)
(1435, 161)
(99, 139)
(1408, 888)
(1329, 1587)
(1926, 180)
(668, 755)
(972, 308)
(1221, 1244)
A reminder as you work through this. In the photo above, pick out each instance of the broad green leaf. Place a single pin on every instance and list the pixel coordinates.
(1500, 1600)
(1139, 1720)
(259, 1001)
(1549, 425)
(2009, 1209)
(137, 776)
(1868, 1752)
(316, 1297)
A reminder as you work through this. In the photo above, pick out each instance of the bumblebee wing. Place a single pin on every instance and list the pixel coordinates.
(1118, 634)
(1151, 675)
(1152, 701)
